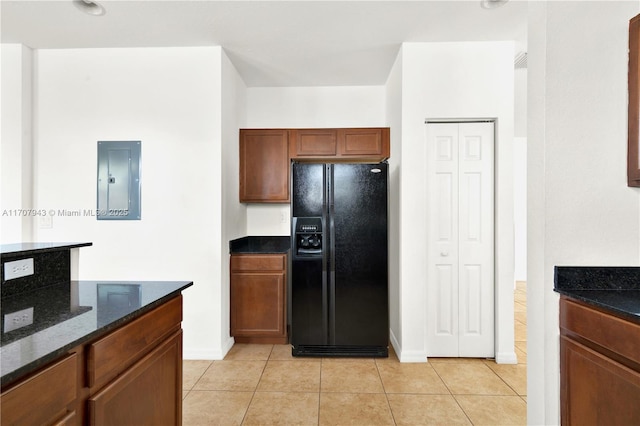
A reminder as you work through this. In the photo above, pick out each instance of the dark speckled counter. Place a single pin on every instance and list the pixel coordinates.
(614, 289)
(73, 313)
(259, 244)
(26, 249)
(52, 265)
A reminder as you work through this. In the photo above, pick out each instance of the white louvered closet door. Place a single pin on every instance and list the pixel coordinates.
(460, 278)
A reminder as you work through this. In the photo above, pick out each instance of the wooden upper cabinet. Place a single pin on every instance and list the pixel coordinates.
(313, 143)
(359, 144)
(265, 155)
(264, 166)
(364, 143)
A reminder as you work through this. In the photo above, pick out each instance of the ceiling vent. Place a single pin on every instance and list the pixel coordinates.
(521, 61)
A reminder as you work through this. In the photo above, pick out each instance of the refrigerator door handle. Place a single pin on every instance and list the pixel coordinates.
(332, 256)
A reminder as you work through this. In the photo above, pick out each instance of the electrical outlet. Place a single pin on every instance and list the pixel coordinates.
(19, 319)
(18, 268)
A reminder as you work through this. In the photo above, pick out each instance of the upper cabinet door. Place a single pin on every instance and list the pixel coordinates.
(360, 144)
(364, 143)
(314, 143)
(264, 166)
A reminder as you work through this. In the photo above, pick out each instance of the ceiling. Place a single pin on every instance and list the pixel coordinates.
(271, 43)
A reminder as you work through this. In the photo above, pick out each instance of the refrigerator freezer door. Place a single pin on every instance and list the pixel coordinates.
(309, 190)
(308, 284)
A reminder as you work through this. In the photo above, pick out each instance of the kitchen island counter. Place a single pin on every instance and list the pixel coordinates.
(71, 314)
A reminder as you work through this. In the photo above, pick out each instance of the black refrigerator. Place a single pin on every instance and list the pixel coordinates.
(338, 289)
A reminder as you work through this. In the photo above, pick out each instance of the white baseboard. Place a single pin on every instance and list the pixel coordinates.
(413, 356)
(227, 345)
(506, 358)
(208, 354)
(406, 356)
(201, 354)
(394, 342)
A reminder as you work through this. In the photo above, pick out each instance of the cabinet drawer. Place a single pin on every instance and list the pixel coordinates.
(112, 354)
(258, 262)
(615, 334)
(148, 393)
(55, 388)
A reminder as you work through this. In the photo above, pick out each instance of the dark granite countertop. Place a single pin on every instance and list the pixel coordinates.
(67, 315)
(30, 248)
(260, 244)
(615, 289)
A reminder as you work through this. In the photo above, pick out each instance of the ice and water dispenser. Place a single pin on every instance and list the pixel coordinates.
(308, 234)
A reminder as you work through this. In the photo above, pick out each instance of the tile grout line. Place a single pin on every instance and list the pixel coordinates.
(452, 395)
(503, 380)
(320, 389)
(386, 395)
(253, 395)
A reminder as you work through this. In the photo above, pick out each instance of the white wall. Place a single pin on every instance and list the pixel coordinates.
(520, 171)
(520, 103)
(170, 99)
(581, 211)
(520, 207)
(16, 147)
(394, 121)
(453, 80)
(234, 214)
(300, 107)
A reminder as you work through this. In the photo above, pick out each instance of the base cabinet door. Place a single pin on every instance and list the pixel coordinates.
(258, 299)
(596, 390)
(148, 393)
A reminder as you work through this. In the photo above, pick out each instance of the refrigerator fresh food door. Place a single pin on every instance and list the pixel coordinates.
(358, 295)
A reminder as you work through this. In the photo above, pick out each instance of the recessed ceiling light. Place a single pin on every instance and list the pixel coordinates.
(492, 4)
(90, 7)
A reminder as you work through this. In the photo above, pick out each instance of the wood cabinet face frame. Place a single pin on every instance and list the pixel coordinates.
(633, 152)
(258, 298)
(599, 366)
(265, 155)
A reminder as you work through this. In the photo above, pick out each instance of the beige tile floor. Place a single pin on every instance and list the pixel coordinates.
(265, 385)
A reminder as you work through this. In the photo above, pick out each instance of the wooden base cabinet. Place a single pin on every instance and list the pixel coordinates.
(46, 398)
(599, 367)
(258, 298)
(148, 393)
(130, 376)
